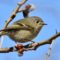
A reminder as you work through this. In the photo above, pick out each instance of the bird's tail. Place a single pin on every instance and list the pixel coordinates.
(2, 33)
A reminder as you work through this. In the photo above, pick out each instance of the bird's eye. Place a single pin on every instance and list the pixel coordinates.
(37, 21)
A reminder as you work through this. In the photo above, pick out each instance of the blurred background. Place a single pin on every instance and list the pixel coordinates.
(49, 11)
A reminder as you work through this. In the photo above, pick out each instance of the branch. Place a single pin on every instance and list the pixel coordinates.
(43, 42)
(33, 46)
(5, 50)
(13, 15)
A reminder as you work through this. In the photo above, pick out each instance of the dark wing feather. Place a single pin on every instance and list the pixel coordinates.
(19, 26)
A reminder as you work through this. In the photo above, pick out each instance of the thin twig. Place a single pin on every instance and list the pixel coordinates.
(14, 13)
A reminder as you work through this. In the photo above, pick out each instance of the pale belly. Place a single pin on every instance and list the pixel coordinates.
(21, 36)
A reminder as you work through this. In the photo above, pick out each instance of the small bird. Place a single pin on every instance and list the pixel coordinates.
(24, 30)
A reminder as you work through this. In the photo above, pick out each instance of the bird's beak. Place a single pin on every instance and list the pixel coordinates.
(45, 24)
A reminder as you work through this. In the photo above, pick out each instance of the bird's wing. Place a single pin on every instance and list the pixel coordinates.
(18, 26)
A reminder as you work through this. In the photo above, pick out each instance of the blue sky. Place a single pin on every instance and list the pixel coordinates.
(49, 11)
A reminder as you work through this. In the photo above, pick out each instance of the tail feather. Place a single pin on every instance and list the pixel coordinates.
(2, 33)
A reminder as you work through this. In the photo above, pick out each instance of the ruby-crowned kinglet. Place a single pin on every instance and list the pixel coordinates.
(24, 30)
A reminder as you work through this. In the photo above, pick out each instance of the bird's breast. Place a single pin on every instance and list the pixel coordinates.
(21, 36)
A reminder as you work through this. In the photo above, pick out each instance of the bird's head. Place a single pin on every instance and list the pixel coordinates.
(36, 22)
